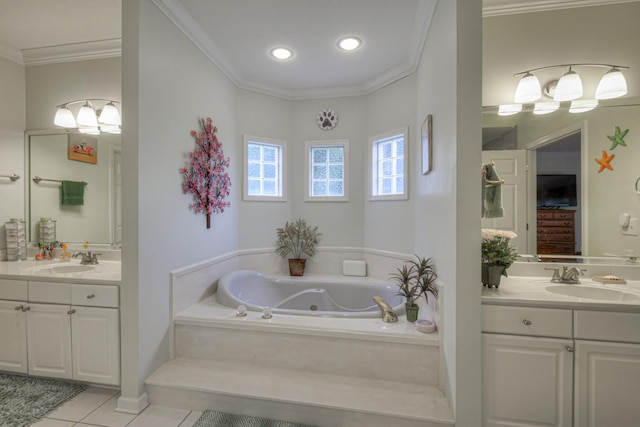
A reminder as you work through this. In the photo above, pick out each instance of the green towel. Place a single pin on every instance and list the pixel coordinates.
(72, 193)
(492, 195)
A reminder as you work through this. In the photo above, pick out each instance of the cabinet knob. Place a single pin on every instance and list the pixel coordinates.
(73, 310)
(569, 349)
(20, 307)
(526, 322)
(91, 296)
(27, 308)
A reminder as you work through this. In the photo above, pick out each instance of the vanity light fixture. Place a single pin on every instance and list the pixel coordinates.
(90, 119)
(509, 109)
(541, 108)
(568, 88)
(349, 43)
(281, 53)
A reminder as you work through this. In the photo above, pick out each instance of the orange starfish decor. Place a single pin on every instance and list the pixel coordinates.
(605, 161)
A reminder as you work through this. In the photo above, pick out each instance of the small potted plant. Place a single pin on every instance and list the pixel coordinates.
(497, 255)
(294, 240)
(414, 280)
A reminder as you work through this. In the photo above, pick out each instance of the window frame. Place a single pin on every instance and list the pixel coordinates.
(308, 145)
(282, 172)
(373, 167)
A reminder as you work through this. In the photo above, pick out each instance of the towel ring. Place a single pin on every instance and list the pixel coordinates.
(637, 190)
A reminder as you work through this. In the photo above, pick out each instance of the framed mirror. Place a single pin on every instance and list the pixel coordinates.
(95, 160)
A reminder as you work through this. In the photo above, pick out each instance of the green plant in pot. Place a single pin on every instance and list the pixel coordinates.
(415, 279)
(497, 255)
(293, 241)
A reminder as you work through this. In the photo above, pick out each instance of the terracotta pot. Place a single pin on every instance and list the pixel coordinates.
(412, 312)
(491, 275)
(296, 266)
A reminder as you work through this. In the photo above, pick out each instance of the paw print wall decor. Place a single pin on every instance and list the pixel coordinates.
(327, 119)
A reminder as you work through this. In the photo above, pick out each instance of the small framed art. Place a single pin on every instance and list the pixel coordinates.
(426, 139)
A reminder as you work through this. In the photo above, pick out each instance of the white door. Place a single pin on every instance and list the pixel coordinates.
(96, 345)
(511, 166)
(13, 337)
(526, 381)
(607, 384)
(49, 340)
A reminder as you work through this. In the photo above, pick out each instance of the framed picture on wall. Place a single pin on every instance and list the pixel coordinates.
(426, 139)
(83, 148)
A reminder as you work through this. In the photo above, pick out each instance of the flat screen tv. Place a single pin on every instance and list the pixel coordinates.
(556, 191)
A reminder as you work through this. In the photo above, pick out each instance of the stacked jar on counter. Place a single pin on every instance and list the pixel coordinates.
(16, 232)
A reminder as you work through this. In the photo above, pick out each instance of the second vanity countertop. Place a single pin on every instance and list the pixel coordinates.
(105, 272)
(589, 294)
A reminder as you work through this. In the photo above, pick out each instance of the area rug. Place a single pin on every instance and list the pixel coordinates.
(25, 400)
(222, 419)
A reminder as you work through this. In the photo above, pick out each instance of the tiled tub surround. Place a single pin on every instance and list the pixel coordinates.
(321, 371)
(557, 359)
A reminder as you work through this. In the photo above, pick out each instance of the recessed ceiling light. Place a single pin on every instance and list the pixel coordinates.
(281, 53)
(349, 43)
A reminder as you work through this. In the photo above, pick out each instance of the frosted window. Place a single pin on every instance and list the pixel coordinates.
(387, 157)
(327, 171)
(264, 170)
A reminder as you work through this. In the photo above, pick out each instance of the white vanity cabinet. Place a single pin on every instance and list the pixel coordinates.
(13, 326)
(62, 330)
(560, 367)
(527, 375)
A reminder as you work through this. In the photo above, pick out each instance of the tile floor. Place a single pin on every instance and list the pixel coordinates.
(95, 407)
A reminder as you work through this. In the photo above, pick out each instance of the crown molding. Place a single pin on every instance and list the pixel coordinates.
(11, 53)
(527, 6)
(73, 52)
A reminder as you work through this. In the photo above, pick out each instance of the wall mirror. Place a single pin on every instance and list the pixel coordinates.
(51, 155)
(529, 149)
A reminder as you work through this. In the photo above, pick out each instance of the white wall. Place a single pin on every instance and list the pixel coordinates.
(447, 223)
(12, 125)
(170, 85)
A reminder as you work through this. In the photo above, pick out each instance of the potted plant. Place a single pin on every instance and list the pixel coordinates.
(414, 280)
(497, 255)
(294, 240)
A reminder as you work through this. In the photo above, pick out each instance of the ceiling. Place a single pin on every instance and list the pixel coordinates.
(238, 34)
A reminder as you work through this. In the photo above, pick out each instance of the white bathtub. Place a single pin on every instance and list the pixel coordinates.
(306, 295)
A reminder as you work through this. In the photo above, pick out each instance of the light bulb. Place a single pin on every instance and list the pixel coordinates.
(569, 87)
(528, 89)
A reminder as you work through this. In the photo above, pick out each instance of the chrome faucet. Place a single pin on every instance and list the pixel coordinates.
(569, 275)
(87, 257)
(388, 316)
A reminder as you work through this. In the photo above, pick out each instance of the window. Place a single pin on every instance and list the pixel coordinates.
(387, 165)
(264, 177)
(326, 168)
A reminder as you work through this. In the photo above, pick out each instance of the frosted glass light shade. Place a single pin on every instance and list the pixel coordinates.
(528, 89)
(583, 105)
(569, 87)
(110, 129)
(509, 109)
(612, 85)
(64, 117)
(90, 130)
(110, 115)
(545, 107)
(87, 116)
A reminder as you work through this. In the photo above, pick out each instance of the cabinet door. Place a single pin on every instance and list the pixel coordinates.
(607, 384)
(49, 340)
(526, 381)
(96, 345)
(13, 337)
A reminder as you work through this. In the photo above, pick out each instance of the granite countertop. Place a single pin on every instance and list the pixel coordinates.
(539, 291)
(106, 272)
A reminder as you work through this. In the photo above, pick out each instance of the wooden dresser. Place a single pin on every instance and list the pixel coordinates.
(556, 232)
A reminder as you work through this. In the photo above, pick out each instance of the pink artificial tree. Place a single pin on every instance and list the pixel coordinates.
(205, 176)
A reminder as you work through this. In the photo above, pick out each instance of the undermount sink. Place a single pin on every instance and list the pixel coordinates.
(65, 268)
(590, 292)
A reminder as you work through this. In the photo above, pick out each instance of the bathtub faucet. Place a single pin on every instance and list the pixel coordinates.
(388, 316)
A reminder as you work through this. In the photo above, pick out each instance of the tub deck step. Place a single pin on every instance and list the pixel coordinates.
(297, 396)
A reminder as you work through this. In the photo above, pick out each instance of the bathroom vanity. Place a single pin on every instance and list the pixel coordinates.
(61, 320)
(561, 355)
